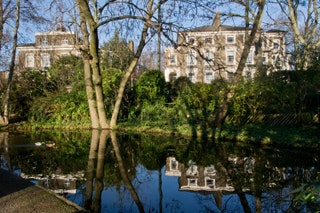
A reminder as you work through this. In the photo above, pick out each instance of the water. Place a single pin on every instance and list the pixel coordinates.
(105, 172)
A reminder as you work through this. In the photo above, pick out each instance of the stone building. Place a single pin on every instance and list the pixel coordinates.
(48, 47)
(211, 52)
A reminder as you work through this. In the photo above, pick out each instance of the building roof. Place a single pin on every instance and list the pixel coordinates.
(217, 26)
(211, 28)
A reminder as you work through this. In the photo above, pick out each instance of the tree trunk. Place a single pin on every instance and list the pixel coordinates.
(223, 109)
(87, 75)
(94, 62)
(124, 174)
(11, 67)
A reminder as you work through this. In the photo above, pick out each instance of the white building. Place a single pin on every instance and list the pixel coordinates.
(211, 52)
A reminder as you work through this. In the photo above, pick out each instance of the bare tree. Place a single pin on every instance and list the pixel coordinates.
(5, 119)
(302, 18)
(11, 14)
(140, 19)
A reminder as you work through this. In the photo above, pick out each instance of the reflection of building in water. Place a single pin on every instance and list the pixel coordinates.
(194, 177)
(59, 184)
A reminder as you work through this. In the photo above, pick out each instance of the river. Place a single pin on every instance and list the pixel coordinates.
(104, 171)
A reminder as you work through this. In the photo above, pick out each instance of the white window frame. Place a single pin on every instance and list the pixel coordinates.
(29, 60)
(174, 161)
(233, 39)
(45, 60)
(172, 59)
(206, 79)
(250, 58)
(230, 53)
(191, 58)
(208, 57)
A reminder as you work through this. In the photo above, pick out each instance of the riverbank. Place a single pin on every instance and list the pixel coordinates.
(307, 136)
(20, 195)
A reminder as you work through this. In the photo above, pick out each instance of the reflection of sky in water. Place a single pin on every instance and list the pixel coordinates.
(146, 184)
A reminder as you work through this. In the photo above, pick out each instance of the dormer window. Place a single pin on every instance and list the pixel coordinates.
(190, 40)
(44, 42)
(64, 42)
(276, 45)
(208, 40)
(230, 39)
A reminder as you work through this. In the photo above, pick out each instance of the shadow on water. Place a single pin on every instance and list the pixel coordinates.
(154, 173)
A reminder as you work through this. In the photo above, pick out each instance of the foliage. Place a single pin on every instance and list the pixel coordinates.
(110, 84)
(60, 109)
(308, 194)
(66, 71)
(29, 85)
(116, 53)
(150, 87)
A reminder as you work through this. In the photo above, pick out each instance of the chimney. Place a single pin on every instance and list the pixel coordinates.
(131, 46)
(216, 21)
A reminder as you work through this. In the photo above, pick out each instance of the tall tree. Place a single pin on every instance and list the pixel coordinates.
(253, 14)
(5, 118)
(138, 17)
(12, 12)
(302, 18)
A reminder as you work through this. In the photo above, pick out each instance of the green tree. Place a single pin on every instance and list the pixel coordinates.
(66, 72)
(116, 53)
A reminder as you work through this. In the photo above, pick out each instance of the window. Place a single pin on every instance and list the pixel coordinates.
(172, 76)
(44, 42)
(64, 42)
(276, 44)
(230, 76)
(45, 60)
(208, 57)
(173, 164)
(192, 77)
(230, 39)
(248, 74)
(190, 40)
(192, 74)
(192, 182)
(209, 76)
(265, 58)
(230, 57)
(191, 58)
(208, 40)
(210, 182)
(250, 56)
(172, 59)
(29, 60)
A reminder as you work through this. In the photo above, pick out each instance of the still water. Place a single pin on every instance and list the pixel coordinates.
(108, 172)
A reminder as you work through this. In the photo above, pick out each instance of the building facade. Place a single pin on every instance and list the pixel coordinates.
(48, 47)
(213, 52)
